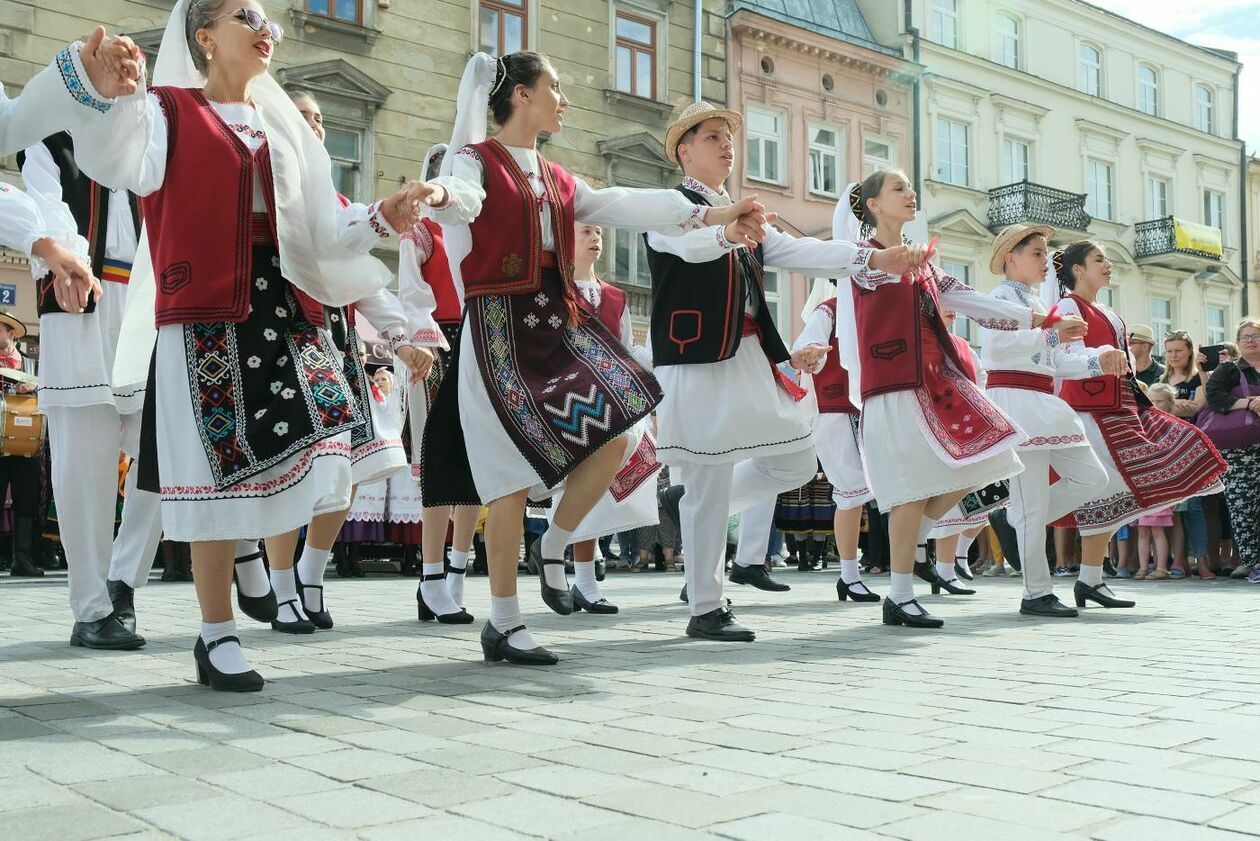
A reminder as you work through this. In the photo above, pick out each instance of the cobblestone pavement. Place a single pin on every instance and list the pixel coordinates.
(1127, 725)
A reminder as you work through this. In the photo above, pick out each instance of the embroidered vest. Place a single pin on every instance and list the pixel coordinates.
(966, 358)
(612, 303)
(437, 272)
(831, 384)
(1096, 394)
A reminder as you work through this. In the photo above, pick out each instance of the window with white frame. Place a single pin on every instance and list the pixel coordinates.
(503, 25)
(1006, 41)
(952, 152)
(1148, 90)
(1106, 296)
(826, 159)
(635, 53)
(962, 325)
(629, 253)
(774, 301)
(1214, 321)
(1089, 70)
(345, 148)
(1157, 198)
(1214, 210)
(1014, 161)
(765, 131)
(943, 23)
(1099, 186)
(1161, 317)
(1203, 108)
(877, 153)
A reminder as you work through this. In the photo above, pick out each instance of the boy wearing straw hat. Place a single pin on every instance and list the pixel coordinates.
(19, 474)
(731, 423)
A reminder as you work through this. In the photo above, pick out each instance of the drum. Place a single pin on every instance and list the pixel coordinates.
(21, 426)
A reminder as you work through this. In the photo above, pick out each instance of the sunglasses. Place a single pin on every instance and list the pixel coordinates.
(255, 22)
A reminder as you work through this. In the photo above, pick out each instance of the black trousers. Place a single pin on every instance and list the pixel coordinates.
(21, 476)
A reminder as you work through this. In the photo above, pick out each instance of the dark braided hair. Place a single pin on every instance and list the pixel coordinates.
(1074, 255)
(865, 190)
(519, 68)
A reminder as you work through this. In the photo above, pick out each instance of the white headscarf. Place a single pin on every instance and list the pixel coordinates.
(819, 292)
(1050, 286)
(434, 150)
(846, 227)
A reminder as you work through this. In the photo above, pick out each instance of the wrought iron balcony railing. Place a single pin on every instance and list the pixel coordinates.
(1160, 237)
(1025, 202)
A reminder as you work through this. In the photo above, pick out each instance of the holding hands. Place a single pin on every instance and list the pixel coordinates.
(402, 209)
(1115, 363)
(114, 63)
(1072, 327)
(73, 281)
(418, 361)
(899, 260)
(743, 222)
(808, 357)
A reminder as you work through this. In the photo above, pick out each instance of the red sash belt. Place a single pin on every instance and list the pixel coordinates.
(548, 260)
(785, 382)
(260, 229)
(1024, 380)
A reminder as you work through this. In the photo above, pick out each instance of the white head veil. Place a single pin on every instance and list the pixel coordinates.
(819, 292)
(1050, 286)
(846, 227)
(434, 150)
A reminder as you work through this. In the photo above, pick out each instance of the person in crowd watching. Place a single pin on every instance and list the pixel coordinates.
(1141, 343)
(1181, 371)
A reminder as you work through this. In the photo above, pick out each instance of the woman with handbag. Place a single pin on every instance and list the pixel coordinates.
(1233, 424)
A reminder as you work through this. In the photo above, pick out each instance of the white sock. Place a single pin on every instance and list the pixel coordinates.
(925, 527)
(505, 614)
(551, 546)
(901, 590)
(251, 576)
(455, 583)
(310, 569)
(584, 578)
(228, 657)
(945, 569)
(436, 596)
(1090, 576)
(286, 588)
(850, 571)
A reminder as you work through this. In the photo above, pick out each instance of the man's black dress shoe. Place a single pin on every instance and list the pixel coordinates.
(495, 647)
(555, 598)
(858, 591)
(122, 597)
(757, 577)
(896, 614)
(1048, 605)
(719, 624)
(1083, 592)
(581, 602)
(208, 675)
(107, 634)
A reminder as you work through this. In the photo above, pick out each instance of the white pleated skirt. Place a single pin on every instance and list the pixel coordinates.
(836, 443)
(76, 357)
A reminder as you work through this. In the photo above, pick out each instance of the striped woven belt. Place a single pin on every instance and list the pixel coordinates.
(116, 271)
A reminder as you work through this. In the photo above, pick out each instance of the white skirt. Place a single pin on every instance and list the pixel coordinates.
(382, 456)
(638, 510)
(728, 411)
(836, 443)
(277, 500)
(901, 464)
(1048, 422)
(76, 357)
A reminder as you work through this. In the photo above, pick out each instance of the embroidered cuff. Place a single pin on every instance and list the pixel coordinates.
(74, 76)
(429, 337)
(70, 242)
(695, 219)
(1052, 338)
(378, 222)
(397, 340)
(723, 243)
(863, 257)
(1095, 366)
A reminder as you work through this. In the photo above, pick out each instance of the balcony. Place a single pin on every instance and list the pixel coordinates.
(1176, 244)
(1027, 203)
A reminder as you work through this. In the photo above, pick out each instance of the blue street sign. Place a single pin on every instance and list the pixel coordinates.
(8, 294)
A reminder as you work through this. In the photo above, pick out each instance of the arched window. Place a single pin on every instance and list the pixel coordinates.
(1089, 71)
(1006, 41)
(1148, 90)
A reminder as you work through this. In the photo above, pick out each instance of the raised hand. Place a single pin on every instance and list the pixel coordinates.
(73, 282)
(808, 357)
(1114, 363)
(114, 63)
(419, 361)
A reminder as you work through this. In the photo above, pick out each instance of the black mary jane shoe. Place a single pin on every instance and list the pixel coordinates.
(123, 598)
(108, 634)
(1083, 593)
(581, 602)
(601, 569)
(720, 625)
(297, 626)
(926, 570)
(963, 572)
(321, 618)
(757, 577)
(425, 614)
(896, 614)
(555, 598)
(495, 647)
(951, 587)
(1048, 606)
(208, 675)
(852, 591)
(259, 608)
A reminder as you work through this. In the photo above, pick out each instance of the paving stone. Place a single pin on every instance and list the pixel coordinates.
(1161, 829)
(273, 782)
(536, 814)
(352, 764)
(132, 793)
(66, 823)
(441, 788)
(1242, 820)
(206, 761)
(677, 806)
(934, 826)
(1038, 812)
(982, 774)
(1162, 804)
(348, 808)
(226, 817)
(1173, 779)
(788, 828)
(445, 828)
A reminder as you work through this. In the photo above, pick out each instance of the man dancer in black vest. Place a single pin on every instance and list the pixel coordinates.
(731, 426)
(89, 420)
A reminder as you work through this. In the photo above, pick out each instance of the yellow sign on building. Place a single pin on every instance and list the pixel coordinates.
(1191, 236)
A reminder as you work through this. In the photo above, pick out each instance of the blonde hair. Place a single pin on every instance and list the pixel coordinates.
(1249, 321)
(1163, 390)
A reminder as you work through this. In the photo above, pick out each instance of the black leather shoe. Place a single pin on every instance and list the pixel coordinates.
(295, 626)
(896, 614)
(24, 568)
(1048, 605)
(259, 608)
(425, 614)
(719, 625)
(581, 602)
(950, 587)
(558, 600)
(122, 597)
(107, 634)
(601, 569)
(495, 647)
(1109, 568)
(757, 577)
(858, 591)
(682, 595)
(321, 618)
(208, 675)
(963, 572)
(926, 570)
(1084, 593)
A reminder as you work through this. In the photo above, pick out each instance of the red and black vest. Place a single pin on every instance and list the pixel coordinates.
(831, 384)
(437, 273)
(612, 304)
(199, 220)
(1096, 394)
(966, 358)
(89, 205)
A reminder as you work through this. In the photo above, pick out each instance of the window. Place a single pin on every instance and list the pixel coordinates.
(962, 325)
(1202, 108)
(1098, 185)
(1214, 321)
(1089, 72)
(1014, 161)
(1156, 198)
(1161, 317)
(943, 23)
(345, 148)
(951, 152)
(765, 144)
(775, 303)
(630, 263)
(877, 153)
(347, 10)
(636, 56)
(1105, 297)
(1006, 41)
(503, 26)
(826, 159)
(1148, 90)
(1214, 210)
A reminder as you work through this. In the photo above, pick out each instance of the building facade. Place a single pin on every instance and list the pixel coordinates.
(1055, 111)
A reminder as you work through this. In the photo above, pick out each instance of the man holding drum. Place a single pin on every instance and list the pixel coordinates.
(18, 473)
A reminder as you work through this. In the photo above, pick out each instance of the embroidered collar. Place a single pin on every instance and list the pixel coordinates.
(1023, 290)
(703, 189)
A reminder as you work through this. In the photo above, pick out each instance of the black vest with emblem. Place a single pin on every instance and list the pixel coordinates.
(89, 204)
(698, 308)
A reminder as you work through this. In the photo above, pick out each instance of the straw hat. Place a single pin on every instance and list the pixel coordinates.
(1011, 236)
(14, 324)
(1141, 333)
(692, 116)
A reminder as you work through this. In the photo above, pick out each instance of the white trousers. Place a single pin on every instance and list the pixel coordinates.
(716, 491)
(1035, 503)
(85, 442)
